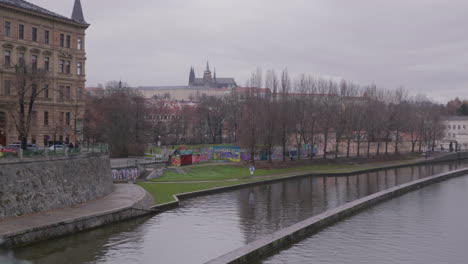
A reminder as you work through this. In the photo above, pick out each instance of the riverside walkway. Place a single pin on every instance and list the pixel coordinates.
(127, 200)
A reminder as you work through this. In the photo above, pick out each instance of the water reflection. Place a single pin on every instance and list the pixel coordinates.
(424, 226)
(206, 227)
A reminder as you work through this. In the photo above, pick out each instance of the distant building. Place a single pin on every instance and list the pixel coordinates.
(209, 80)
(181, 93)
(38, 37)
(456, 130)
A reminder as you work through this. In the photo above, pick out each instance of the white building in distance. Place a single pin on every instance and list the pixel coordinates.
(456, 130)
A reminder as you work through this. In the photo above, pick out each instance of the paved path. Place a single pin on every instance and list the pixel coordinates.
(124, 196)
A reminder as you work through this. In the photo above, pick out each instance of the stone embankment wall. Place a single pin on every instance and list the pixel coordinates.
(31, 186)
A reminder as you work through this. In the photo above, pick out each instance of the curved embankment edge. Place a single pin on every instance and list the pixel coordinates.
(184, 196)
(284, 238)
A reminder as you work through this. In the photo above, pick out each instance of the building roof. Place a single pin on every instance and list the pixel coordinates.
(222, 81)
(226, 81)
(153, 88)
(37, 9)
(251, 89)
(77, 14)
(456, 118)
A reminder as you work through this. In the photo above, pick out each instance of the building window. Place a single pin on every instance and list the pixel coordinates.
(46, 118)
(62, 66)
(34, 118)
(68, 92)
(68, 41)
(7, 57)
(46, 91)
(79, 43)
(46, 63)
(459, 127)
(46, 140)
(7, 87)
(80, 93)
(62, 40)
(34, 62)
(7, 28)
(34, 34)
(33, 139)
(46, 37)
(61, 118)
(62, 88)
(67, 66)
(21, 32)
(79, 68)
(67, 118)
(21, 58)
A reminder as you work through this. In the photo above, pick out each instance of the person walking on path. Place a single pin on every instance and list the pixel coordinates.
(252, 169)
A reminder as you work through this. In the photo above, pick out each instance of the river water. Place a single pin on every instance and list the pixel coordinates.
(209, 226)
(427, 226)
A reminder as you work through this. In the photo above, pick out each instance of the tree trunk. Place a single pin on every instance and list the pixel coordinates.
(348, 147)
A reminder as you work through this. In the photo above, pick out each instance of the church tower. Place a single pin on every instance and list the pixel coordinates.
(192, 76)
(207, 79)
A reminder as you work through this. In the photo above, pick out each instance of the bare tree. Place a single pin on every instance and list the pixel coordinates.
(28, 84)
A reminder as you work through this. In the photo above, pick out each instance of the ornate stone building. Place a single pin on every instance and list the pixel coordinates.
(209, 80)
(46, 40)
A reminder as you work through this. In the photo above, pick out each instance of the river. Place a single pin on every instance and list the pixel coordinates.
(427, 226)
(206, 227)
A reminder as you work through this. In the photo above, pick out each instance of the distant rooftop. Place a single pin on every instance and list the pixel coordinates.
(456, 118)
(151, 88)
(178, 87)
(37, 9)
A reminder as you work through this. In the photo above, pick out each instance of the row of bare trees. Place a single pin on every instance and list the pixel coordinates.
(275, 111)
(338, 116)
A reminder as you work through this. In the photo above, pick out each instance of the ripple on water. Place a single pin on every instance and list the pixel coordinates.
(426, 226)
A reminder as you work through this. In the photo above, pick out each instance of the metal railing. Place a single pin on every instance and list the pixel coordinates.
(53, 152)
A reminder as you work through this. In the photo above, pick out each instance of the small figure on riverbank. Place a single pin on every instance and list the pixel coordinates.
(252, 169)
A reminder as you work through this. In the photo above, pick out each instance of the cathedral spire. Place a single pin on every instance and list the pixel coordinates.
(191, 76)
(207, 66)
(77, 14)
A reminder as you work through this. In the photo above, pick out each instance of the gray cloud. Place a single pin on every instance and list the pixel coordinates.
(418, 44)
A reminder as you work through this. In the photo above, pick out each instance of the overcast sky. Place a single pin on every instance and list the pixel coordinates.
(421, 45)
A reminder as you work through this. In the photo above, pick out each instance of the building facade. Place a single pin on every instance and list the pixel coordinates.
(38, 37)
(456, 131)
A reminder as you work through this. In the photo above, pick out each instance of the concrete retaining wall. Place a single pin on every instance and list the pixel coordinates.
(74, 225)
(288, 236)
(37, 185)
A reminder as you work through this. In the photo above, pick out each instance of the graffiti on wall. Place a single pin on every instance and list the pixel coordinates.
(227, 153)
(198, 158)
(125, 174)
(175, 161)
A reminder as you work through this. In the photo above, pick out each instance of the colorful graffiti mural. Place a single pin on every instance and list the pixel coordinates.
(227, 153)
(175, 161)
(126, 174)
(199, 158)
